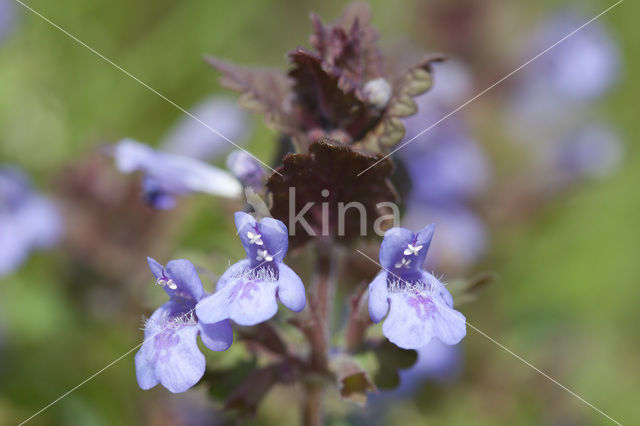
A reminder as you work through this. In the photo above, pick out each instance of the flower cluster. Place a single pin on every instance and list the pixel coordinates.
(341, 107)
(419, 306)
(340, 110)
(560, 90)
(246, 293)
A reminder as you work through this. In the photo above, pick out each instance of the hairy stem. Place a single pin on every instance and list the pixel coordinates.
(321, 304)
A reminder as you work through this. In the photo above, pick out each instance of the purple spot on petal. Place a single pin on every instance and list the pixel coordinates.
(243, 290)
(248, 289)
(162, 343)
(423, 306)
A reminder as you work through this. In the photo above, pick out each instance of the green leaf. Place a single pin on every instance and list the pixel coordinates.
(390, 359)
(353, 381)
(224, 381)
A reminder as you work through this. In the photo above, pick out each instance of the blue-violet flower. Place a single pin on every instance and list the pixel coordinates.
(248, 291)
(419, 305)
(168, 175)
(28, 220)
(246, 169)
(193, 139)
(170, 353)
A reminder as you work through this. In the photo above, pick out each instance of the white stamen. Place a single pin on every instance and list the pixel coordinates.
(254, 238)
(404, 262)
(168, 283)
(412, 250)
(264, 254)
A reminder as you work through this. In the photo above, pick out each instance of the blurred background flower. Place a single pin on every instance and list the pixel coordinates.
(7, 17)
(191, 138)
(28, 220)
(447, 170)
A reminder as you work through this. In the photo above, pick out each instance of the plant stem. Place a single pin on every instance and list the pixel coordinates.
(313, 413)
(359, 320)
(321, 305)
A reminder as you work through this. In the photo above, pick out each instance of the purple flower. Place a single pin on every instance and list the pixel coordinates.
(447, 167)
(170, 353)
(437, 362)
(191, 138)
(7, 17)
(168, 175)
(591, 151)
(28, 220)
(419, 306)
(557, 88)
(445, 164)
(246, 169)
(248, 291)
(583, 66)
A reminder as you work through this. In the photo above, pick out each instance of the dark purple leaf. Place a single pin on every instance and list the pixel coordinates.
(334, 167)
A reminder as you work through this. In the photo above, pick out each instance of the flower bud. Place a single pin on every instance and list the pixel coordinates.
(246, 169)
(378, 92)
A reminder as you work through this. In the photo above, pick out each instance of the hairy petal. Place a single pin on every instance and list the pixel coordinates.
(232, 274)
(437, 289)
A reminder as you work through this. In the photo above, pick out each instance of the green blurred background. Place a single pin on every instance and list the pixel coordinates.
(567, 293)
